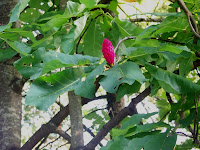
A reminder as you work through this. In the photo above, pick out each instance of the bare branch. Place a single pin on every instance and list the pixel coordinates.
(122, 40)
(131, 109)
(91, 133)
(183, 134)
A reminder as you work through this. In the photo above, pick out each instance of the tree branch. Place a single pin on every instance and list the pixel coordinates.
(116, 119)
(45, 130)
(190, 18)
(147, 20)
(91, 133)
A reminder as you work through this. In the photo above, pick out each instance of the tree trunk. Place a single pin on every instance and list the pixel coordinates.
(75, 111)
(10, 93)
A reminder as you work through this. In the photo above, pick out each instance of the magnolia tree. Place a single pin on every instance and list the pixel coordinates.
(61, 48)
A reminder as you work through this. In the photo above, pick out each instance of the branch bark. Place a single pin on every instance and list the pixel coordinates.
(116, 119)
(75, 111)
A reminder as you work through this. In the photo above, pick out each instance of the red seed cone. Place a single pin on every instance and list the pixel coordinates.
(108, 51)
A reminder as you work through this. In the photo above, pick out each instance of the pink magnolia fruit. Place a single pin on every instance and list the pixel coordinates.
(108, 51)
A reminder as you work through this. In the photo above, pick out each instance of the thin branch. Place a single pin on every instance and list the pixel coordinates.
(91, 133)
(45, 130)
(190, 18)
(170, 41)
(169, 98)
(183, 134)
(193, 134)
(49, 143)
(43, 140)
(122, 40)
(63, 134)
(131, 109)
(147, 20)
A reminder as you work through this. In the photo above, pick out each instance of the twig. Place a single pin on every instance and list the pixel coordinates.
(146, 20)
(44, 139)
(190, 18)
(91, 133)
(169, 98)
(49, 143)
(196, 124)
(192, 131)
(116, 119)
(126, 38)
(183, 134)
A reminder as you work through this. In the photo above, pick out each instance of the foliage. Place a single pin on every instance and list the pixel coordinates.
(60, 51)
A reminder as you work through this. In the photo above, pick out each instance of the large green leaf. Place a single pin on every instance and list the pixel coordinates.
(130, 123)
(20, 47)
(173, 23)
(7, 53)
(45, 90)
(86, 88)
(56, 22)
(34, 13)
(171, 82)
(153, 142)
(118, 144)
(41, 62)
(68, 40)
(93, 39)
(89, 3)
(73, 9)
(128, 89)
(128, 72)
(164, 107)
(15, 13)
(128, 28)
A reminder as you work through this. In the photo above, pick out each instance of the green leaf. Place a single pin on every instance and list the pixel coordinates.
(171, 82)
(186, 65)
(56, 22)
(39, 4)
(134, 52)
(173, 23)
(87, 88)
(20, 31)
(128, 72)
(145, 128)
(68, 42)
(15, 14)
(73, 9)
(45, 90)
(21, 48)
(113, 7)
(7, 53)
(164, 107)
(17, 10)
(80, 25)
(152, 142)
(187, 145)
(93, 39)
(128, 28)
(89, 3)
(41, 62)
(129, 123)
(30, 15)
(119, 143)
(128, 89)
